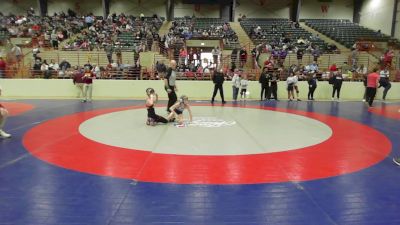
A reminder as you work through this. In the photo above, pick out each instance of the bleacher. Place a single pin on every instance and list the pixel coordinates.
(198, 25)
(283, 27)
(4, 35)
(344, 31)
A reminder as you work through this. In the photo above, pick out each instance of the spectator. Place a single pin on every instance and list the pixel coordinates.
(35, 53)
(362, 71)
(182, 56)
(274, 78)
(312, 85)
(77, 79)
(64, 65)
(215, 53)
(264, 81)
(17, 52)
(290, 86)
(354, 58)
(316, 53)
(45, 70)
(387, 58)
(384, 82)
(244, 83)
(333, 68)
(235, 84)
(346, 69)
(3, 66)
(299, 54)
(87, 78)
(218, 80)
(243, 57)
(372, 85)
(336, 81)
(108, 48)
(161, 69)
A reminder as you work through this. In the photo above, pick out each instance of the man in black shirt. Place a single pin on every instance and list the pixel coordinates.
(274, 85)
(218, 80)
(264, 81)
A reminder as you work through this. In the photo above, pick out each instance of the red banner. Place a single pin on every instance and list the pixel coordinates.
(324, 8)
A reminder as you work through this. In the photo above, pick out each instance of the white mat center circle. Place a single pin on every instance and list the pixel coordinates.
(215, 131)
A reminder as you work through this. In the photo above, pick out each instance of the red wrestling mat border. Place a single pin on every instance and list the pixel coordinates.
(392, 111)
(16, 108)
(352, 147)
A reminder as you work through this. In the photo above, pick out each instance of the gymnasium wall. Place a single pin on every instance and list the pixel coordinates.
(200, 11)
(135, 89)
(262, 9)
(129, 7)
(377, 15)
(337, 9)
(19, 8)
(81, 7)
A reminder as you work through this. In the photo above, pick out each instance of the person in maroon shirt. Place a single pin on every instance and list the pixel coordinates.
(372, 85)
(3, 118)
(77, 79)
(87, 78)
(3, 66)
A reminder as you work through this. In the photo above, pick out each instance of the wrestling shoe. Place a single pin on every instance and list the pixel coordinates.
(396, 161)
(4, 134)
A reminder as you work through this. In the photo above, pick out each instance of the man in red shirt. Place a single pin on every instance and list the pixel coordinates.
(3, 66)
(333, 68)
(372, 85)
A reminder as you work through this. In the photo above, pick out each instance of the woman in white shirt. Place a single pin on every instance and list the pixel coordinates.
(290, 81)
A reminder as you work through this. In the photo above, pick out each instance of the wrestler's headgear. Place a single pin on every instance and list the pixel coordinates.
(150, 91)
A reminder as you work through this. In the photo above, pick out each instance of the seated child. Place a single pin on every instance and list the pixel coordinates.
(152, 117)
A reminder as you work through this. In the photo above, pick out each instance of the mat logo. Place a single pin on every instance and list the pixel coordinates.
(208, 122)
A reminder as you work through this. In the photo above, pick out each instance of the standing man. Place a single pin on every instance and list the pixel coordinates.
(77, 79)
(312, 85)
(18, 53)
(118, 53)
(170, 85)
(109, 49)
(274, 78)
(372, 85)
(3, 118)
(218, 80)
(3, 67)
(215, 53)
(264, 81)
